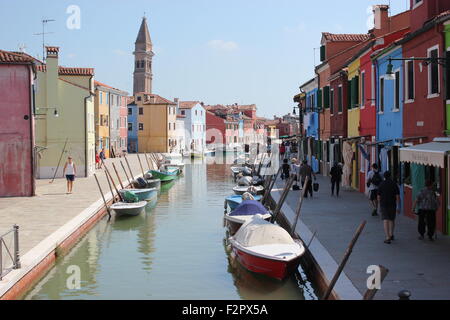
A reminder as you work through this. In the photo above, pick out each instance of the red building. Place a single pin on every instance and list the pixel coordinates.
(17, 144)
(424, 107)
(215, 129)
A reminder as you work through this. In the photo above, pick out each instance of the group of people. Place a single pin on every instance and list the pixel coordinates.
(99, 158)
(384, 196)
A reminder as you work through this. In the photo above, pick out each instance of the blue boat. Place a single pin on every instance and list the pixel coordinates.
(245, 212)
(235, 200)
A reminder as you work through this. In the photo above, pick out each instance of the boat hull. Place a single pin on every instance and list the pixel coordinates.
(154, 183)
(241, 191)
(142, 194)
(130, 210)
(272, 268)
(164, 177)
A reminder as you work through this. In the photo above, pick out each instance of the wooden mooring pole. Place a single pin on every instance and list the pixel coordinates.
(299, 206)
(269, 189)
(129, 168)
(101, 192)
(287, 187)
(347, 254)
(118, 176)
(110, 187)
(140, 164)
(113, 183)
(124, 170)
(148, 162)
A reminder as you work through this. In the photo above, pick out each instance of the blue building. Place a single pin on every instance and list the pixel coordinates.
(311, 123)
(133, 128)
(194, 124)
(389, 109)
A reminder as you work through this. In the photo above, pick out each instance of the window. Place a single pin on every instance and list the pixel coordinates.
(332, 101)
(141, 126)
(101, 97)
(433, 72)
(372, 86)
(322, 53)
(141, 111)
(170, 126)
(183, 112)
(326, 97)
(363, 89)
(340, 100)
(174, 126)
(381, 95)
(409, 80)
(195, 112)
(417, 3)
(130, 111)
(130, 126)
(397, 91)
(139, 98)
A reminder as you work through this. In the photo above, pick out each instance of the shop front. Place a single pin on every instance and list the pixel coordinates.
(423, 162)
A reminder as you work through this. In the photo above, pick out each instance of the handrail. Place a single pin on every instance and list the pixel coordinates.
(13, 253)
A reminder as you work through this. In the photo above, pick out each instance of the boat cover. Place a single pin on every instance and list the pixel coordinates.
(249, 208)
(245, 181)
(258, 232)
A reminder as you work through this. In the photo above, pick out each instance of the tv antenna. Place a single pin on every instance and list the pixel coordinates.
(22, 47)
(43, 33)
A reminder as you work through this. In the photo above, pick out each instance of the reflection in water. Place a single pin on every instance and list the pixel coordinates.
(173, 251)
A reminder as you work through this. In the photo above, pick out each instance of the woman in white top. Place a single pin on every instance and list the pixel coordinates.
(70, 171)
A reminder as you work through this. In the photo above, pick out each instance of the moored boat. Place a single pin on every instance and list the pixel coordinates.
(142, 194)
(244, 213)
(240, 190)
(153, 183)
(235, 200)
(165, 176)
(266, 248)
(129, 209)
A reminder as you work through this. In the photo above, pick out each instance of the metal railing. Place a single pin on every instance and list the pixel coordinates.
(12, 252)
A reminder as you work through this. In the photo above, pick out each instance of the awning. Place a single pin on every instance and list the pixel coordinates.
(428, 154)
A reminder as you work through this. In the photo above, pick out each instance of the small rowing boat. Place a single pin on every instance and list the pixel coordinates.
(235, 200)
(266, 248)
(129, 209)
(165, 176)
(153, 183)
(142, 194)
(240, 190)
(245, 212)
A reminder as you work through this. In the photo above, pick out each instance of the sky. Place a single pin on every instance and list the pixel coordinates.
(219, 52)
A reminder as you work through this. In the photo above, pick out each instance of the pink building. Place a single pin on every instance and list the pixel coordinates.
(17, 144)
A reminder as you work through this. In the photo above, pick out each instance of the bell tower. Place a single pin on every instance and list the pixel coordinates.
(143, 56)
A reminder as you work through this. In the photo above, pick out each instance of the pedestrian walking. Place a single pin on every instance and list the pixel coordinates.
(97, 161)
(70, 171)
(295, 169)
(336, 178)
(282, 150)
(307, 171)
(389, 203)
(427, 204)
(374, 179)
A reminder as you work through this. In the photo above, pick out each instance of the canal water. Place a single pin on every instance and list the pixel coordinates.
(176, 250)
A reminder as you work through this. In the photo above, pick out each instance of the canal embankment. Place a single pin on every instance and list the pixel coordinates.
(334, 220)
(52, 222)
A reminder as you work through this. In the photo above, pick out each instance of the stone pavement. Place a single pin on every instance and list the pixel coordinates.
(419, 266)
(51, 208)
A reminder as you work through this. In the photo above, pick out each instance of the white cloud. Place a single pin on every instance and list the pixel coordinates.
(121, 52)
(223, 45)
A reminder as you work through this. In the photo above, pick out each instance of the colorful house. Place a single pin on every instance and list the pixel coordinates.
(195, 125)
(157, 119)
(215, 131)
(424, 115)
(118, 127)
(132, 129)
(17, 138)
(66, 126)
(102, 117)
(311, 123)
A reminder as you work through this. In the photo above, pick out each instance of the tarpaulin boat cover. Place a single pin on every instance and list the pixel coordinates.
(258, 232)
(249, 208)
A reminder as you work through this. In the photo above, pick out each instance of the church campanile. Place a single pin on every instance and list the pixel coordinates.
(143, 56)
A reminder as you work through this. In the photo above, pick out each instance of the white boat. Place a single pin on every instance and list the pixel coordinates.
(259, 190)
(129, 209)
(266, 248)
(245, 212)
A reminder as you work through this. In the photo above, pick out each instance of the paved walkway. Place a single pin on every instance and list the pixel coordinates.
(40, 216)
(419, 266)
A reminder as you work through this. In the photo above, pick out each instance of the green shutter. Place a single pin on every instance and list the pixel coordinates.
(319, 100)
(357, 88)
(322, 53)
(326, 97)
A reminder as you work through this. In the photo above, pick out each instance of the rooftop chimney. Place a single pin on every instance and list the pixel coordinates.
(381, 19)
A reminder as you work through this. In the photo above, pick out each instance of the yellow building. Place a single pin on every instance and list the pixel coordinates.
(64, 117)
(102, 118)
(157, 119)
(354, 117)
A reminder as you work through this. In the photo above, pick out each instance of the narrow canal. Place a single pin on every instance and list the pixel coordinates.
(176, 250)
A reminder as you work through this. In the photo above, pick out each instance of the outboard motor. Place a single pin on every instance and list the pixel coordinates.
(247, 172)
(141, 182)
